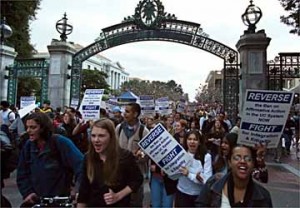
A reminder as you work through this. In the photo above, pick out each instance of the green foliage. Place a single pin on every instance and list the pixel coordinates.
(28, 86)
(94, 79)
(156, 88)
(18, 16)
(293, 17)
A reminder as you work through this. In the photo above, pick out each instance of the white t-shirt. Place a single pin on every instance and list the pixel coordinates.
(6, 117)
(225, 201)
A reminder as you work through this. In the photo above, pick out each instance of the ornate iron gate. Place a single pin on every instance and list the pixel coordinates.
(283, 69)
(37, 68)
(151, 23)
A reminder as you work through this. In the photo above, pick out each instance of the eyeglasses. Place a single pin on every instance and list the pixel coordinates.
(239, 158)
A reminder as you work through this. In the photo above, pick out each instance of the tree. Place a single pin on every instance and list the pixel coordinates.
(293, 18)
(94, 79)
(18, 15)
(206, 95)
(156, 88)
(28, 86)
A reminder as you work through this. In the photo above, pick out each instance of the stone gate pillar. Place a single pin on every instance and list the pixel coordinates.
(7, 58)
(253, 55)
(59, 80)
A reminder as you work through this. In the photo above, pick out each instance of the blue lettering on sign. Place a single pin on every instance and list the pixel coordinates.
(261, 127)
(269, 97)
(155, 133)
(170, 156)
(90, 107)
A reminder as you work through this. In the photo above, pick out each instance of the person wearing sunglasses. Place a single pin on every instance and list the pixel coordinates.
(236, 188)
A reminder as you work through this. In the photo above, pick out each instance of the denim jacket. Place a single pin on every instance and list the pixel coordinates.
(211, 194)
(44, 174)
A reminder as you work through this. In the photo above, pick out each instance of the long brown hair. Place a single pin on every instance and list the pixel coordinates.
(110, 168)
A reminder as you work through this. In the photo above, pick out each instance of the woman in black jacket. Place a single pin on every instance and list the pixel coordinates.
(237, 188)
(110, 174)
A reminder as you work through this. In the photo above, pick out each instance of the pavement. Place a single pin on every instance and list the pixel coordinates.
(284, 183)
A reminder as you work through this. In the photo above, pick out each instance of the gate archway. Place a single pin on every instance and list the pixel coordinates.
(151, 23)
(34, 68)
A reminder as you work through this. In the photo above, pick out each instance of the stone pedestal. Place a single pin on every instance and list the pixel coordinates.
(7, 58)
(253, 55)
(59, 83)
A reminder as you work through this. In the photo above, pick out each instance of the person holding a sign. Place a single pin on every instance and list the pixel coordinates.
(237, 188)
(110, 174)
(194, 176)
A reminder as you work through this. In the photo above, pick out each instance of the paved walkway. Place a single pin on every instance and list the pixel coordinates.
(284, 183)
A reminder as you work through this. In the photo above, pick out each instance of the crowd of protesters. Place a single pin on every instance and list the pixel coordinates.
(101, 163)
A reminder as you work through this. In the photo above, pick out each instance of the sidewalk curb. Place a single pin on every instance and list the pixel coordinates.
(285, 166)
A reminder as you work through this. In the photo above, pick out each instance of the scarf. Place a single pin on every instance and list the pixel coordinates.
(230, 190)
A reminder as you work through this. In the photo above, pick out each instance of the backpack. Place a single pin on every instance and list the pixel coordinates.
(141, 130)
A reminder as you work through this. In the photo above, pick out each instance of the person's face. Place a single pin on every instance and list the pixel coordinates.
(178, 127)
(217, 124)
(150, 121)
(66, 118)
(33, 130)
(193, 126)
(117, 114)
(129, 114)
(177, 116)
(169, 121)
(241, 163)
(192, 143)
(225, 146)
(100, 139)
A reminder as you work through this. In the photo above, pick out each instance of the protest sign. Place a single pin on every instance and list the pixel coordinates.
(147, 105)
(90, 105)
(27, 101)
(24, 111)
(264, 116)
(181, 106)
(74, 103)
(164, 150)
(162, 106)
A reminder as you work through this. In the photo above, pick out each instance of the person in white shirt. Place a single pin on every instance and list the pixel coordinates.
(6, 117)
(193, 176)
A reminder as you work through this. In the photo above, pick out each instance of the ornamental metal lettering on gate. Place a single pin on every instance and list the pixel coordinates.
(36, 68)
(151, 23)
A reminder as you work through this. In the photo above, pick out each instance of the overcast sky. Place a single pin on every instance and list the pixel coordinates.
(163, 61)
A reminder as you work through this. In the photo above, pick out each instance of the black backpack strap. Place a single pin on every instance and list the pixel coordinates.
(120, 129)
(141, 131)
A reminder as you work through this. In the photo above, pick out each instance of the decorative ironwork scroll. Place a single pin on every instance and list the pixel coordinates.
(38, 68)
(151, 23)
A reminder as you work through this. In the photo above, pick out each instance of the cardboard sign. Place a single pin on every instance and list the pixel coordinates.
(264, 117)
(164, 150)
(90, 105)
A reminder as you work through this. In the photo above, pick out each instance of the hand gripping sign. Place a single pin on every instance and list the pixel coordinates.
(164, 150)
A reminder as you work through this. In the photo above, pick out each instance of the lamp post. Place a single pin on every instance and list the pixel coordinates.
(251, 17)
(5, 31)
(63, 28)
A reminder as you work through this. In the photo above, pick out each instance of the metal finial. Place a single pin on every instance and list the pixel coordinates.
(5, 30)
(63, 28)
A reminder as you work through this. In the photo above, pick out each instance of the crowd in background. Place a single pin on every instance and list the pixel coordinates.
(58, 148)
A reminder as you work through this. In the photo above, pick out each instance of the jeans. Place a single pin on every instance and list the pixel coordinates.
(159, 197)
(288, 141)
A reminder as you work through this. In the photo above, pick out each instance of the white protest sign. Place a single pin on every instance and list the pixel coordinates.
(181, 106)
(264, 116)
(27, 101)
(90, 105)
(147, 105)
(164, 150)
(24, 111)
(162, 106)
(74, 103)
